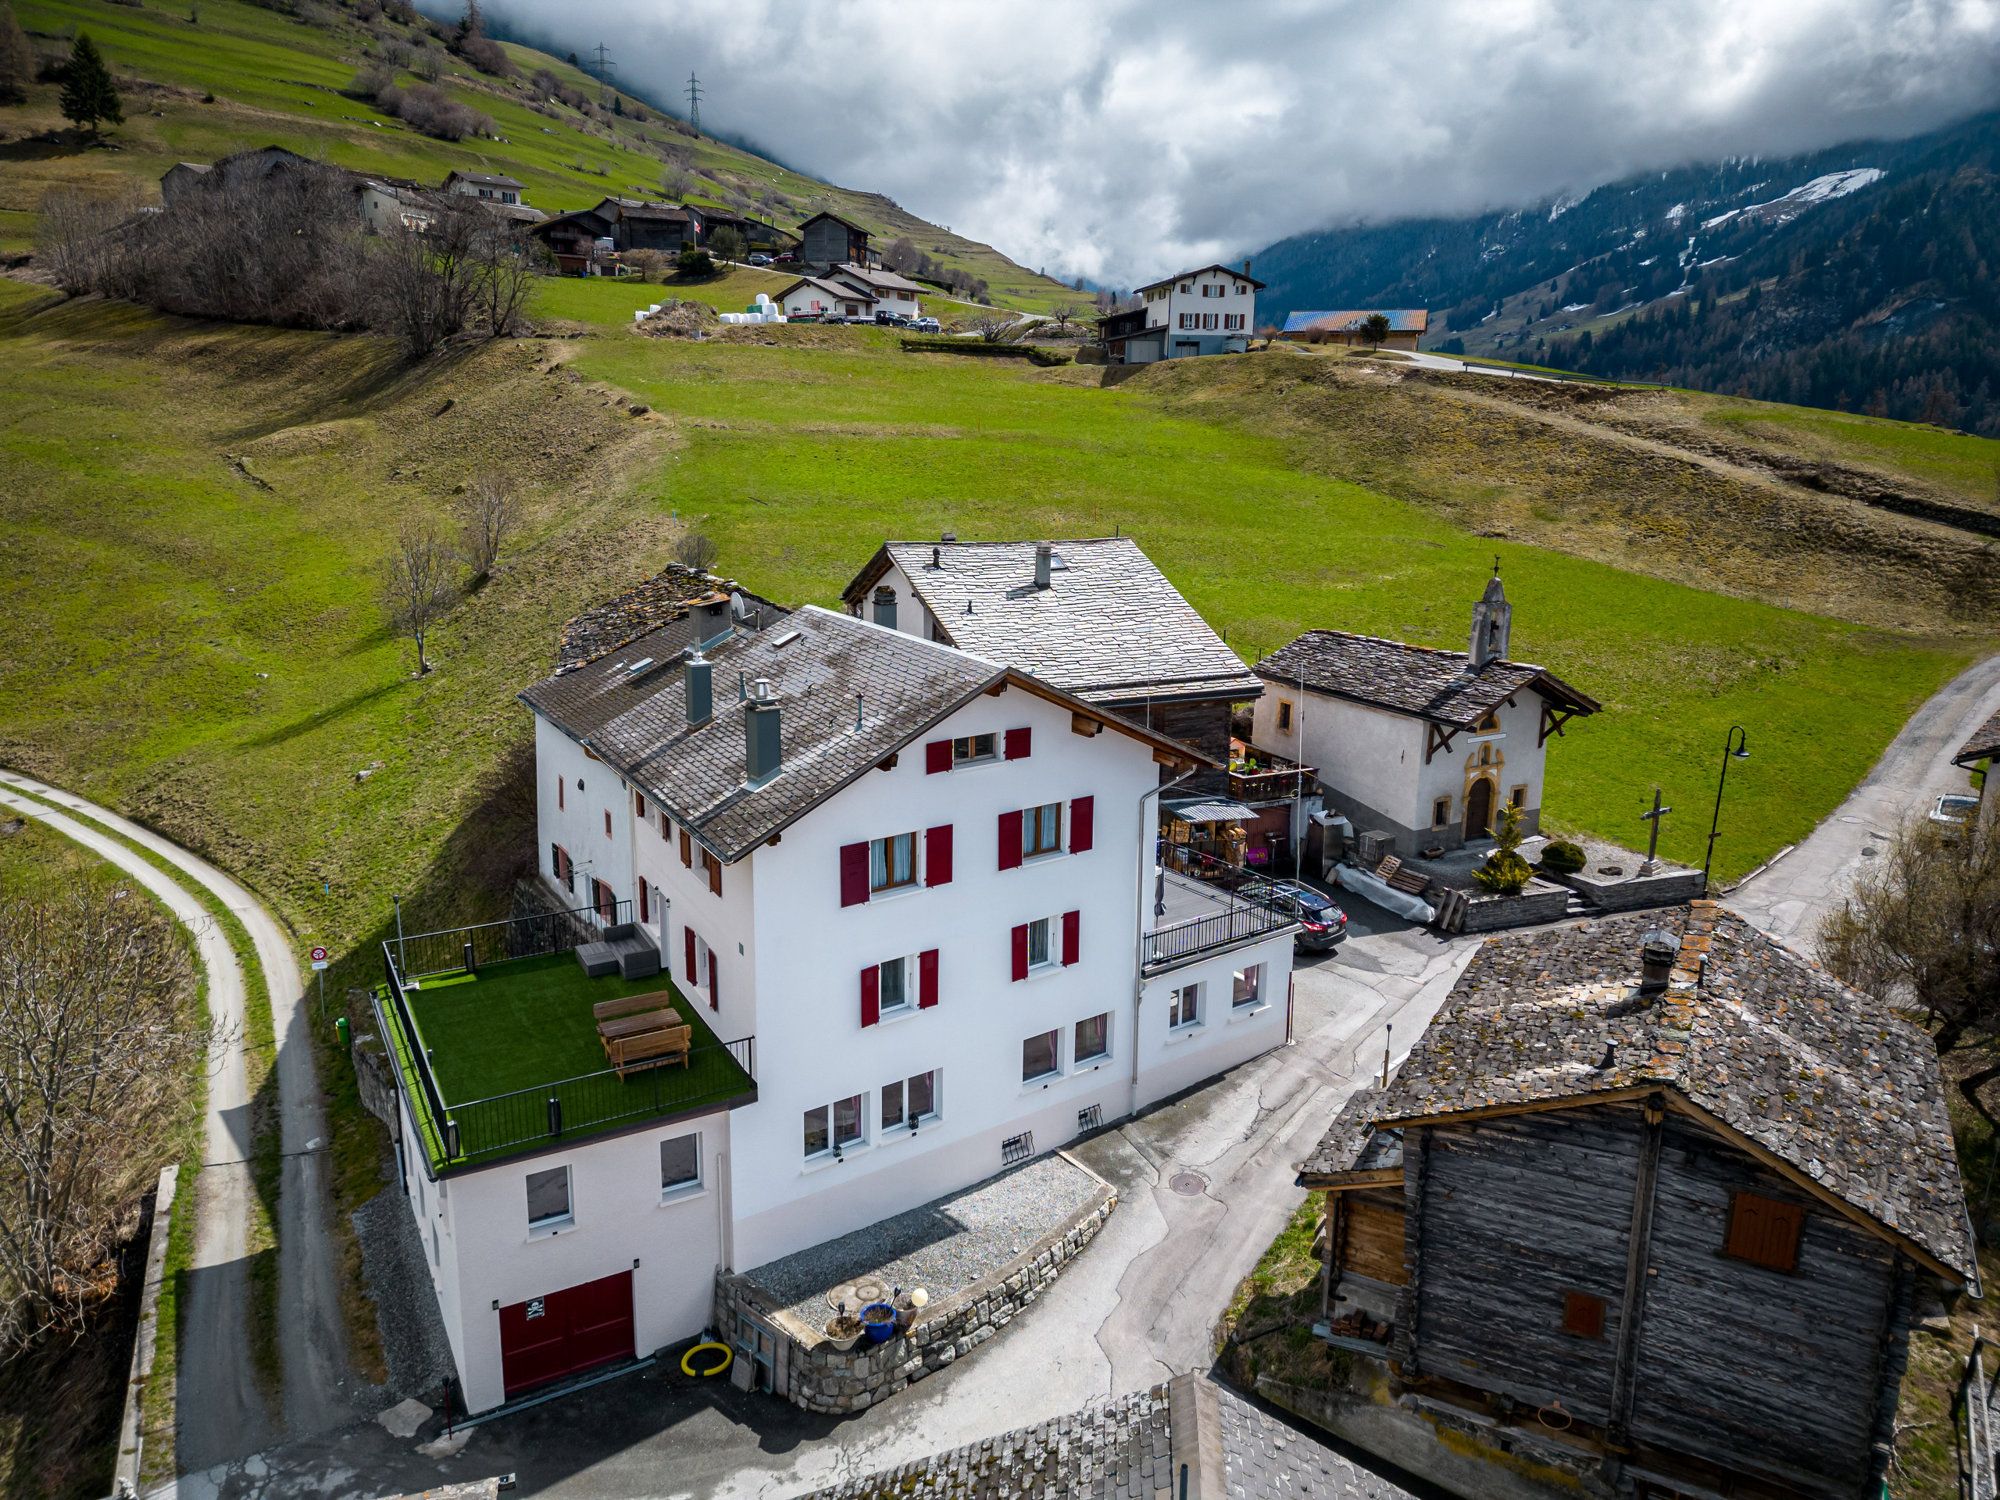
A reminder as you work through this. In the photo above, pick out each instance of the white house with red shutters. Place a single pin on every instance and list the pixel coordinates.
(922, 886)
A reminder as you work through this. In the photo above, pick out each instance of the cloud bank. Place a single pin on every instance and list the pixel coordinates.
(1122, 139)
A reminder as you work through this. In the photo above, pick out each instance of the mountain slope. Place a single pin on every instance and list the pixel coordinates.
(244, 74)
(1869, 259)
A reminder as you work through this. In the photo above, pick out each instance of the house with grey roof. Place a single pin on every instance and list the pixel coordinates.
(1405, 326)
(1424, 745)
(1212, 310)
(902, 898)
(1651, 1201)
(1190, 1436)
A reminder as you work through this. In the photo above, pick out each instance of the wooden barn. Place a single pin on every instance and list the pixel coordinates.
(827, 240)
(1650, 1203)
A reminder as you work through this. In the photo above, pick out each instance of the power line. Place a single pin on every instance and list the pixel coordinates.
(694, 101)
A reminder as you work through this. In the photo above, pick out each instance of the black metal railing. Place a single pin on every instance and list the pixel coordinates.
(407, 1048)
(1972, 1409)
(482, 1129)
(1243, 921)
(452, 950)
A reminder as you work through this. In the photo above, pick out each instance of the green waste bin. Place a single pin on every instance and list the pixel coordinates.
(340, 1030)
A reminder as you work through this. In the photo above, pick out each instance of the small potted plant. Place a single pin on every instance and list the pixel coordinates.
(878, 1321)
(843, 1329)
(908, 1306)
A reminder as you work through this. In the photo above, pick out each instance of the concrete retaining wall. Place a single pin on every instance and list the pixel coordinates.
(820, 1375)
(1539, 901)
(1668, 888)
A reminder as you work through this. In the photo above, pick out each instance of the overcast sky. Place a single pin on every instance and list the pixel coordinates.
(1122, 139)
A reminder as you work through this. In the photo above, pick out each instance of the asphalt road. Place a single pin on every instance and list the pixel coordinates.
(1792, 896)
(223, 1415)
(1138, 1307)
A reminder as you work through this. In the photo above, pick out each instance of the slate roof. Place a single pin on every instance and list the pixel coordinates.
(867, 276)
(844, 223)
(1132, 1448)
(1237, 271)
(660, 600)
(1349, 320)
(1984, 744)
(1109, 628)
(834, 289)
(1823, 1077)
(1420, 681)
(819, 664)
(487, 179)
(1352, 1143)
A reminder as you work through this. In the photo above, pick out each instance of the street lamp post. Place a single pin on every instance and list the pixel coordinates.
(1735, 746)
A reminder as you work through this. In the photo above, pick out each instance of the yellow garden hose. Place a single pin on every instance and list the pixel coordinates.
(687, 1359)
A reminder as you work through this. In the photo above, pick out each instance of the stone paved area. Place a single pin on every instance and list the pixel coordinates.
(942, 1246)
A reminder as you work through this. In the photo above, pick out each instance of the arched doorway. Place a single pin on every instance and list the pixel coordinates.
(1479, 808)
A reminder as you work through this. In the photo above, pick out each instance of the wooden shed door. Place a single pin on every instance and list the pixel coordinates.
(1374, 1241)
(1479, 808)
(565, 1333)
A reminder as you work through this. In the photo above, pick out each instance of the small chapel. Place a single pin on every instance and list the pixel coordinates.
(1422, 744)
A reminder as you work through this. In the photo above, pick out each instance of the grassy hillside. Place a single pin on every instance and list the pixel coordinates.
(243, 75)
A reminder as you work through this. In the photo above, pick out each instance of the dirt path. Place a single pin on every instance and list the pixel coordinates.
(222, 1415)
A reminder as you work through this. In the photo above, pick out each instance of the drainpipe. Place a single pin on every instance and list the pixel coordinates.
(1148, 851)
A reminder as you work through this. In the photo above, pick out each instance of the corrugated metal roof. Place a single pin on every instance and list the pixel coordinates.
(1401, 320)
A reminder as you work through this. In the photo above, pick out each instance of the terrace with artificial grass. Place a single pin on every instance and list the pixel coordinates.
(505, 1040)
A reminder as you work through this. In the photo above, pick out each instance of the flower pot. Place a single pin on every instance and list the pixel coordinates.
(878, 1321)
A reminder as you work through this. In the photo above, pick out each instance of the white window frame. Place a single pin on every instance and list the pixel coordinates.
(911, 980)
(905, 1121)
(1257, 978)
(694, 1186)
(1097, 1058)
(1051, 944)
(550, 1223)
(1056, 1068)
(1178, 1006)
(835, 1145)
(974, 755)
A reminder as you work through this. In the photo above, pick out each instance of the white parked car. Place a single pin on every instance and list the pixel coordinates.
(1954, 808)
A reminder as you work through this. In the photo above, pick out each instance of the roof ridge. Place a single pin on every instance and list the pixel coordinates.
(1383, 640)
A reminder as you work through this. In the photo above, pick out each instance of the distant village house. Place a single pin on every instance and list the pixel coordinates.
(827, 240)
(1209, 311)
(1407, 325)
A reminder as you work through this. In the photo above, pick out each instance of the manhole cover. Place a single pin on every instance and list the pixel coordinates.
(1188, 1184)
(857, 1295)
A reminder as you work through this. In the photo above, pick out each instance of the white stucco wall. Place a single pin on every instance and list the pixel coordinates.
(1173, 1059)
(1377, 758)
(811, 1045)
(576, 820)
(812, 299)
(619, 1217)
(913, 616)
(1237, 299)
(724, 923)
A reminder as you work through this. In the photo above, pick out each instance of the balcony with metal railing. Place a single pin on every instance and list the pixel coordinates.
(1259, 778)
(1203, 905)
(496, 1047)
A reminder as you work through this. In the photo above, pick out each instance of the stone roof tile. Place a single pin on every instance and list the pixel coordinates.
(1421, 681)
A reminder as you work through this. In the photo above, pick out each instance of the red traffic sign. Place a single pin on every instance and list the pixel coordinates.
(319, 955)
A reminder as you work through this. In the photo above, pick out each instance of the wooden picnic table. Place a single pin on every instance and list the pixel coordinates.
(621, 1027)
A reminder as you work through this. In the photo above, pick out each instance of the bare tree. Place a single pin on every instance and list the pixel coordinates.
(491, 510)
(418, 589)
(77, 240)
(650, 264)
(507, 272)
(1922, 930)
(675, 182)
(1062, 315)
(696, 550)
(993, 328)
(97, 1029)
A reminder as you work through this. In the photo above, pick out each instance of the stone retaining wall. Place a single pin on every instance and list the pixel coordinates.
(1538, 902)
(821, 1375)
(1670, 887)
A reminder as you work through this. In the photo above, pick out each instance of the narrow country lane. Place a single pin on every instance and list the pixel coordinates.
(319, 1390)
(1790, 897)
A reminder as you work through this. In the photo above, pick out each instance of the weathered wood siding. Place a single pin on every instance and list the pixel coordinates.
(1372, 1237)
(1750, 1366)
(1517, 1212)
(1204, 724)
(829, 244)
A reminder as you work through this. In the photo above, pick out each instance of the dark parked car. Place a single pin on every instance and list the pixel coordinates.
(892, 319)
(1322, 925)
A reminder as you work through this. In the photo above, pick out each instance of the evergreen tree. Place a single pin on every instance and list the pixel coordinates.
(17, 58)
(89, 97)
(473, 23)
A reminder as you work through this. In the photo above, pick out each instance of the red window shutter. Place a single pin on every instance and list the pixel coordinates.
(1010, 841)
(1021, 951)
(1017, 743)
(714, 876)
(853, 874)
(1082, 823)
(687, 937)
(871, 994)
(561, 799)
(1072, 937)
(666, 828)
(937, 855)
(714, 982)
(607, 822)
(687, 849)
(927, 979)
(937, 757)
(645, 911)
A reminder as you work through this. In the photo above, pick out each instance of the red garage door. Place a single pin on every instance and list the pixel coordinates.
(565, 1333)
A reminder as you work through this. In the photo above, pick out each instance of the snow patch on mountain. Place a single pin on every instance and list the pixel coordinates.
(1792, 204)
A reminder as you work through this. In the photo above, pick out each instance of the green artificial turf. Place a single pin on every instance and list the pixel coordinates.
(525, 1026)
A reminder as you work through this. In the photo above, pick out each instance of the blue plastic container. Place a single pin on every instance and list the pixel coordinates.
(878, 1333)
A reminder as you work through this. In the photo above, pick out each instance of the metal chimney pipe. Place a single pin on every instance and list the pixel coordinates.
(762, 754)
(1044, 559)
(699, 677)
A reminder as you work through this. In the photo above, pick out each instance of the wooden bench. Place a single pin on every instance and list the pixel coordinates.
(650, 1049)
(638, 1024)
(631, 1005)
